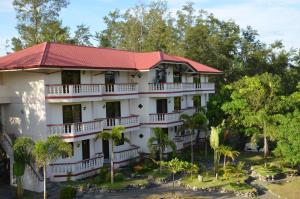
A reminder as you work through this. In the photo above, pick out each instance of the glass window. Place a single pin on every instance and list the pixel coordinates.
(177, 103)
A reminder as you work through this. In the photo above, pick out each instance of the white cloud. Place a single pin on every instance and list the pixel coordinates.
(274, 20)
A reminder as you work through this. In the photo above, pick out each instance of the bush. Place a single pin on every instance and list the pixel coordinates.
(67, 192)
(119, 177)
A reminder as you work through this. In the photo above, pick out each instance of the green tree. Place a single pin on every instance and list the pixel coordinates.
(254, 102)
(83, 35)
(46, 151)
(159, 142)
(115, 137)
(227, 151)
(214, 143)
(22, 152)
(35, 17)
(175, 165)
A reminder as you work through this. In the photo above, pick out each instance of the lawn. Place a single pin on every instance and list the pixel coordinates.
(124, 184)
(290, 190)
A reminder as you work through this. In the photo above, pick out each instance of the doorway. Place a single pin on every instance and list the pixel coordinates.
(113, 111)
(4, 168)
(161, 106)
(85, 149)
(105, 148)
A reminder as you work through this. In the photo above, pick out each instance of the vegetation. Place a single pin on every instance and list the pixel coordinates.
(159, 142)
(49, 150)
(67, 192)
(214, 143)
(22, 151)
(227, 151)
(114, 137)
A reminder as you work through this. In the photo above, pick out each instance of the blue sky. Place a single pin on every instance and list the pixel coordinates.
(274, 19)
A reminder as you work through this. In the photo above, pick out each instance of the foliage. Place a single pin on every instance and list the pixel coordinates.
(115, 136)
(67, 192)
(227, 151)
(119, 177)
(214, 143)
(236, 171)
(49, 150)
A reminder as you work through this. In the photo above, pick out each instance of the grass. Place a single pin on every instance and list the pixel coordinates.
(157, 176)
(123, 184)
(266, 171)
(288, 190)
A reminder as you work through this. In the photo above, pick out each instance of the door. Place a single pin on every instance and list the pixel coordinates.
(71, 114)
(85, 149)
(113, 110)
(162, 106)
(105, 148)
(109, 81)
(70, 77)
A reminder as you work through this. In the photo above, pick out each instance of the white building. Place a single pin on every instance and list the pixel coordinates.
(76, 92)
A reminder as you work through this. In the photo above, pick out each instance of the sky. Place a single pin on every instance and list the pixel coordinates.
(273, 19)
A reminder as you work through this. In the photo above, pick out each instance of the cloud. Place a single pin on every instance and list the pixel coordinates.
(274, 20)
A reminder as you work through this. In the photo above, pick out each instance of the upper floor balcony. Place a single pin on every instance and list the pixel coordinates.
(76, 131)
(4, 95)
(131, 122)
(164, 120)
(178, 89)
(90, 92)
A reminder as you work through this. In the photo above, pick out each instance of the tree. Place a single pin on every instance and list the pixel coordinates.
(22, 152)
(115, 137)
(227, 151)
(214, 143)
(191, 168)
(159, 142)
(49, 150)
(34, 18)
(175, 165)
(197, 121)
(82, 35)
(254, 102)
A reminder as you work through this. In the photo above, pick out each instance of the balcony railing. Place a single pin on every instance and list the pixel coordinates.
(178, 140)
(187, 138)
(180, 87)
(59, 90)
(75, 129)
(124, 88)
(164, 117)
(77, 167)
(127, 154)
(129, 121)
(188, 111)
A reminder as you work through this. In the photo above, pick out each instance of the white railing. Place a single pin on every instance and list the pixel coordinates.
(122, 88)
(187, 138)
(74, 129)
(188, 111)
(77, 167)
(120, 156)
(164, 117)
(57, 90)
(180, 87)
(132, 120)
(178, 140)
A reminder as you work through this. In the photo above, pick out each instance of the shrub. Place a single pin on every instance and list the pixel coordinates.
(119, 177)
(67, 192)
(138, 168)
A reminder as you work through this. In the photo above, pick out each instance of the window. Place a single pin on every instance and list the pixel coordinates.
(72, 154)
(72, 113)
(122, 141)
(109, 77)
(197, 101)
(177, 103)
(70, 77)
(160, 76)
(177, 77)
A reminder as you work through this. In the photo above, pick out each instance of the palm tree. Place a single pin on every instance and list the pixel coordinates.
(227, 151)
(159, 142)
(214, 143)
(22, 152)
(114, 136)
(197, 121)
(48, 151)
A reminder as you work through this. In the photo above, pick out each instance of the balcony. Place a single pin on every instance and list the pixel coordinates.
(187, 139)
(4, 95)
(90, 92)
(75, 92)
(178, 140)
(76, 170)
(125, 155)
(74, 131)
(131, 122)
(164, 120)
(178, 89)
(188, 111)
(120, 91)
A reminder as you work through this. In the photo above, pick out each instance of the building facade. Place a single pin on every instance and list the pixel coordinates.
(76, 92)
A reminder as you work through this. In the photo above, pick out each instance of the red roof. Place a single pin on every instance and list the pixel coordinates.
(54, 55)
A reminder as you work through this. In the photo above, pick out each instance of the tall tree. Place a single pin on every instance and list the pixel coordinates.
(254, 102)
(47, 151)
(34, 16)
(114, 136)
(159, 142)
(214, 143)
(83, 35)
